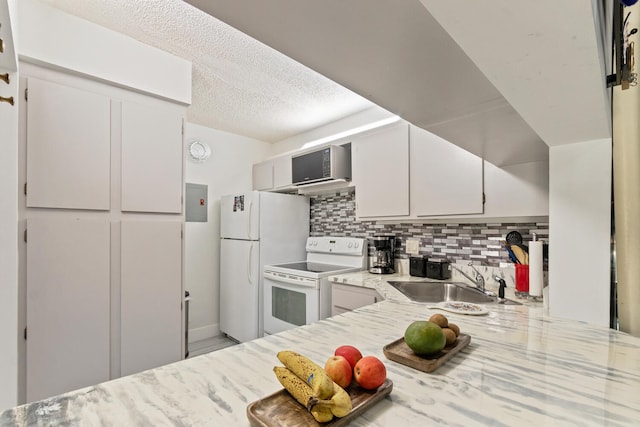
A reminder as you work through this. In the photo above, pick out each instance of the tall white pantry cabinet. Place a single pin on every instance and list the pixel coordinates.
(102, 257)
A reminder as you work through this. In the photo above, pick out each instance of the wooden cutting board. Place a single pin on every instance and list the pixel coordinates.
(280, 409)
(399, 351)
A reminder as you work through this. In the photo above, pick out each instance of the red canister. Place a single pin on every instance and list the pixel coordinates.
(522, 279)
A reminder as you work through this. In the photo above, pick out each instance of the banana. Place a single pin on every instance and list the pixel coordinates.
(308, 371)
(340, 403)
(303, 393)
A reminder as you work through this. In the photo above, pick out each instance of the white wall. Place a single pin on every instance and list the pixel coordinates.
(9, 237)
(228, 170)
(80, 46)
(579, 231)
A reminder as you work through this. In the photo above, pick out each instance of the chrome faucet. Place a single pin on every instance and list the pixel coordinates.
(479, 278)
(478, 281)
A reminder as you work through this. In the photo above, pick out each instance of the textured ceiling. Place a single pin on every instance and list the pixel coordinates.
(239, 84)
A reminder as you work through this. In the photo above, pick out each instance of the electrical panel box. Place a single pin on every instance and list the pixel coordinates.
(196, 203)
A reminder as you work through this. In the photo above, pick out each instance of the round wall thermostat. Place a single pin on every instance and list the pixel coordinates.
(199, 151)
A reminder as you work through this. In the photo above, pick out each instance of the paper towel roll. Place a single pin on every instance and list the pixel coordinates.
(536, 281)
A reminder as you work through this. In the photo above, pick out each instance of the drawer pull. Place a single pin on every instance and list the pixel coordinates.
(8, 100)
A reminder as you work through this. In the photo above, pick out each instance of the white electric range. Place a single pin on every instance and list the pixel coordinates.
(299, 293)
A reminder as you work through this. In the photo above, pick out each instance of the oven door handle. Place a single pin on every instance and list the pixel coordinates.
(277, 278)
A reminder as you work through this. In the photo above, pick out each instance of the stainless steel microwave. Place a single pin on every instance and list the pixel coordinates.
(325, 164)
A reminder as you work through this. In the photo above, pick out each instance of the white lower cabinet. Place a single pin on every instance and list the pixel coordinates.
(150, 295)
(346, 297)
(68, 306)
(71, 311)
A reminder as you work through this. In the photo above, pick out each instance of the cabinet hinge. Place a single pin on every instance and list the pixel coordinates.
(25, 188)
(484, 198)
(25, 235)
(26, 94)
(25, 333)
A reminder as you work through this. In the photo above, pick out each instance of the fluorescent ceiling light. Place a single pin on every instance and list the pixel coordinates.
(350, 132)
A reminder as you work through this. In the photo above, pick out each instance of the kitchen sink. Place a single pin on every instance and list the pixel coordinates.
(429, 291)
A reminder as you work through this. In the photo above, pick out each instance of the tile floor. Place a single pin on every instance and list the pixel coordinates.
(210, 344)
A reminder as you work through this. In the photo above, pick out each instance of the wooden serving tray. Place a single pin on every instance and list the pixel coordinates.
(399, 351)
(280, 409)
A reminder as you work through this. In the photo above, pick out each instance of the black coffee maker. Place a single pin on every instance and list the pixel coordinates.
(381, 254)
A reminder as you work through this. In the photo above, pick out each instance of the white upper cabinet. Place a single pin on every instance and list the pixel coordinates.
(517, 190)
(444, 178)
(406, 172)
(151, 158)
(262, 176)
(380, 165)
(282, 172)
(68, 147)
(273, 174)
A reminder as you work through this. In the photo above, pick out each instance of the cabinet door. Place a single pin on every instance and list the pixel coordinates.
(151, 158)
(380, 163)
(151, 294)
(282, 172)
(528, 183)
(262, 176)
(67, 305)
(347, 298)
(68, 147)
(445, 179)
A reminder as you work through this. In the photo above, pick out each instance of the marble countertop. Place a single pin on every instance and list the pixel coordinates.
(521, 368)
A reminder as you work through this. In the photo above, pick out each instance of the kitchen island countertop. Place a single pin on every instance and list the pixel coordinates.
(521, 368)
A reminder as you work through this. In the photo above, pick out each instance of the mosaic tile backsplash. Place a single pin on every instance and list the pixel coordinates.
(334, 215)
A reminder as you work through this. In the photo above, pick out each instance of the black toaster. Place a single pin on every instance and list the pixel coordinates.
(418, 266)
(438, 269)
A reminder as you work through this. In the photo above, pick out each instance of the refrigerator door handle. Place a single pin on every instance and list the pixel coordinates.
(249, 219)
(249, 259)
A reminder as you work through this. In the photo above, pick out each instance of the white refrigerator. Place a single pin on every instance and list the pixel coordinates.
(256, 229)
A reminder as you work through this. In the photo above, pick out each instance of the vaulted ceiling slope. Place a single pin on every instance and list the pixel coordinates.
(396, 54)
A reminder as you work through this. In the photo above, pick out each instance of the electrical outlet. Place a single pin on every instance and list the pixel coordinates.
(413, 246)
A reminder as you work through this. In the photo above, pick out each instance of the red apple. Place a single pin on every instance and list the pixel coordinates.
(339, 370)
(370, 373)
(350, 353)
